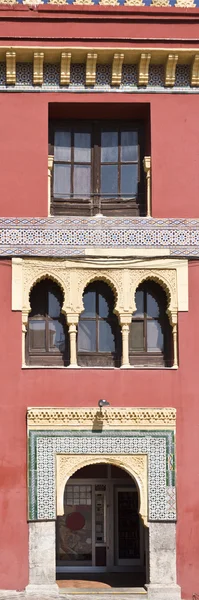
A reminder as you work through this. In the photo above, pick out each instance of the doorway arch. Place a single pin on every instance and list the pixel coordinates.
(101, 529)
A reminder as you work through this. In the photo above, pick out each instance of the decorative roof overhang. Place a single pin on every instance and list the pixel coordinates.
(105, 55)
(80, 236)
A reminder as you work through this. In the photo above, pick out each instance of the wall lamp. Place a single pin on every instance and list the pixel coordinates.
(103, 404)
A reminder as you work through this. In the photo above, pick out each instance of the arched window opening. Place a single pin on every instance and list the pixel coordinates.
(99, 336)
(47, 334)
(150, 340)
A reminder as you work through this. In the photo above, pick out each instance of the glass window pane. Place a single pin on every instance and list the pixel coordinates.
(129, 180)
(109, 180)
(61, 181)
(106, 337)
(136, 338)
(139, 300)
(155, 340)
(152, 306)
(89, 300)
(82, 181)
(87, 336)
(103, 306)
(37, 338)
(109, 146)
(62, 145)
(82, 147)
(53, 305)
(129, 146)
(56, 336)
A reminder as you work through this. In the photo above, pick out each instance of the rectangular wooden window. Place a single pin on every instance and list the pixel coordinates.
(98, 168)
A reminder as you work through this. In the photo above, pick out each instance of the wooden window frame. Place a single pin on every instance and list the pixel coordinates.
(100, 358)
(41, 356)
(96, 203)
(143, 357)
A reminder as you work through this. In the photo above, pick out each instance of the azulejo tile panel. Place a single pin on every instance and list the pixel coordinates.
(159, 445)
(129, 79)
(71, 236)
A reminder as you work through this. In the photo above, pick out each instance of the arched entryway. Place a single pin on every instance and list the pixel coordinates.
(101, 530)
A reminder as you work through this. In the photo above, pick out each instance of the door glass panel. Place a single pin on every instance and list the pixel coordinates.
(136, 338)
(128, 525)
(75, 527)
(109, 146)
(87, 336)
(82, 180)
(129, 146)
(82, 147)
(106, 337)
(61, 181)
(100, 525)
(56, 336)
(62, 149)
(152, 306)
(89, 304)
(155, 340)
(109, 180)
(37, 335)
(129, 180)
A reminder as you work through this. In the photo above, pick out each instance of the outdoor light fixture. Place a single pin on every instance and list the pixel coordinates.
(103, 403)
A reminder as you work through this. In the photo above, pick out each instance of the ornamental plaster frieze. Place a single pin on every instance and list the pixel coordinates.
(73, 281)
(108, 419)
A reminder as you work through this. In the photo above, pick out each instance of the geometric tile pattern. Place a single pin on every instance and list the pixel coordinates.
(65, 236)
(51, 79)
(158, 445)
(174, 3)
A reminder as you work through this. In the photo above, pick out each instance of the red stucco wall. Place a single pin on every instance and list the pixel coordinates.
(174, 147)
(35, 387)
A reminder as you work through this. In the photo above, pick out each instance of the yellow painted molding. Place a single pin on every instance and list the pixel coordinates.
(91, 62)
(117, 69)
(105, 55)
(170, 69)
(143, 70)
(65, 68)
(38, 68)
(195, 71)
(134, 464)
(11, 68)
(90, 418)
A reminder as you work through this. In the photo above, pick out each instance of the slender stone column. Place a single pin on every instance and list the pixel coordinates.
(175, 345)
(73, 345)
(24, 331)
(125, 320)
(125, 345)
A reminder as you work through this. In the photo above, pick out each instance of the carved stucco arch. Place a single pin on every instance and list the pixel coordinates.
(164, 278)
(37, 278)
(135, 465)
(85, 277)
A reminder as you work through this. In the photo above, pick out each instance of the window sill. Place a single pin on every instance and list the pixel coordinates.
(125, 367)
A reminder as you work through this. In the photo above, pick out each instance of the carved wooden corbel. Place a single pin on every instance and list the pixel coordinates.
(143, 69)
(91, 62)
(195, 71)
(10, 68)
(65, 68)
(117, 69)
(38, 63)
(170, 69)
